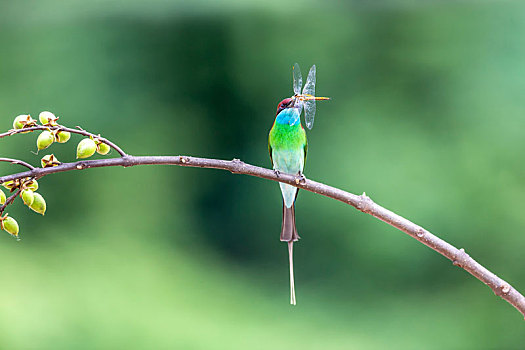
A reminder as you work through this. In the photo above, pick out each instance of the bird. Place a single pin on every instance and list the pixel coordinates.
(287, 145)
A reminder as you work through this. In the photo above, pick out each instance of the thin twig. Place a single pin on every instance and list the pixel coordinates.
(17, 161)
(363, 203)
(9, 201)
(79, 131)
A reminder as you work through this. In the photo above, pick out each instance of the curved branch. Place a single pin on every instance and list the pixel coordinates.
(363, 203)
(79, 131)
(9, 200)
(17, 161)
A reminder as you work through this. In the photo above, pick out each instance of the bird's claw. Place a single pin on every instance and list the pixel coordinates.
(277, 172)
(300, 179)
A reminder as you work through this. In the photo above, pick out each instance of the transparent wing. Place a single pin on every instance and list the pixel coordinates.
(309, 105)
(309, 113)
(309, 87)
(297, 79)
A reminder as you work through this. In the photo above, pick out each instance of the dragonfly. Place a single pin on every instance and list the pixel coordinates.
(306, 98)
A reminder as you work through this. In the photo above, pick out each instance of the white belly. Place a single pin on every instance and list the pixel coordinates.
(292, 163)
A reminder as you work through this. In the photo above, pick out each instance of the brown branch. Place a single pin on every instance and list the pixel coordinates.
(9, 201)
(17, 161)
(79, 131)
(363, 203)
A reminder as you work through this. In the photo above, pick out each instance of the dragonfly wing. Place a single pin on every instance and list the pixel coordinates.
(297, 79)
(309, 105)
(309, 87)
(309, 113)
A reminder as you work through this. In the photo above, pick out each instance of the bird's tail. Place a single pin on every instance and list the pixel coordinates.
(288, 229)
(292, 283)
(289, 234)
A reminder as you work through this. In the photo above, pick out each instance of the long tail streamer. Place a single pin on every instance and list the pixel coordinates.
(292, 285)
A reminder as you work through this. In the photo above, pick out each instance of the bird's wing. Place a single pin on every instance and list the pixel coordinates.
(305, 149)
(270, 148)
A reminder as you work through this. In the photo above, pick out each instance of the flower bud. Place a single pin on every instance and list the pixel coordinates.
(23, 121)
(62, 136)
(49, 160)
(47, 118)
(45, 139)
(39, 204)
(18, 123)
(103, 148)
(32, 185)
(10, 225)
(86, 148)
(3, 198)
(10, 184)
(28, 197)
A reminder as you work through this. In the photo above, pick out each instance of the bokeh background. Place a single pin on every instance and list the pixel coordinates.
(427, 116)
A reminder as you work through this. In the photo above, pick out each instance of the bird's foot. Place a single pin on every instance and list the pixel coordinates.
(300, 179)
(277, 172)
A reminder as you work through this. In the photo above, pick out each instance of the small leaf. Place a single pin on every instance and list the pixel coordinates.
(45, 139)
(2, 197)
(39, 204)
(86, 148)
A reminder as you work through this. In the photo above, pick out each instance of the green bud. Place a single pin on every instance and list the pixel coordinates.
(86, 148)
(49, 160)
(10, 225)
(18, 123)
(47, 118)
(23, 121)
(45, 139)
(103, 148)
(28, 197)
(3, 198)
(39, 204)
(32, 185)
(9, 184)
(62, 136)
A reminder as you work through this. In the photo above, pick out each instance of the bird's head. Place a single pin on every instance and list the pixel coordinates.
(286, 103)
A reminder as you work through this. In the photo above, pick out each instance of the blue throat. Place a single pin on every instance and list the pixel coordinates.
(290, 116)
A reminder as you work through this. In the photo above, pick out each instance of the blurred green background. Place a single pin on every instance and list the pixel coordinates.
(427, 116)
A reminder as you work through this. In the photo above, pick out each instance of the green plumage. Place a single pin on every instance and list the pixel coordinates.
(287, 137)
(287, 145)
